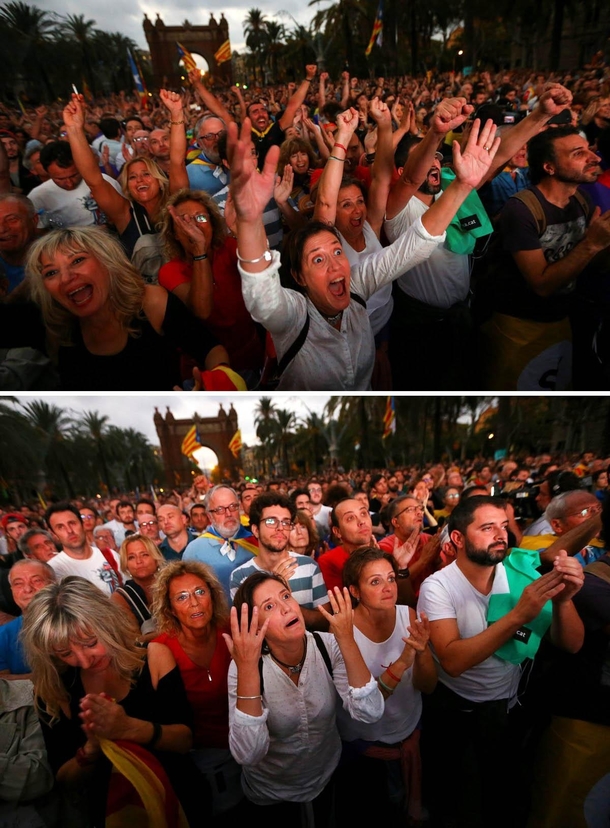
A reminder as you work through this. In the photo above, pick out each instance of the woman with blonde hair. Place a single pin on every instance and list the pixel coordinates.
(107, 329)
(191, 611)
(141, 558)
(202, 271)
(92, 683)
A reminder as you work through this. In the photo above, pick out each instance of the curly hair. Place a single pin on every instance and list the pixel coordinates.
(155, 171)
(74, 610)
(126, 285)
(173, 248)
(162, 607)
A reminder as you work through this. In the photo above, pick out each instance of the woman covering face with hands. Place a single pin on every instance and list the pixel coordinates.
(283, 686)
(327, 315)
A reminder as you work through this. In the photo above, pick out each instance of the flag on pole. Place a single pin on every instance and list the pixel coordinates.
(186, 57)
(235, 444)
(191, 442)
(135, 72)
(154, 494)
(42, 501)
(377, 33)
(389, 418)
(224, 53)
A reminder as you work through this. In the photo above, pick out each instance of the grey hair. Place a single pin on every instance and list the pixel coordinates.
(24, 201)
(35, 147)
(202, 121)
(213, 491)
(48, 570)
(98, 529)
(23, 540)
(557, 508)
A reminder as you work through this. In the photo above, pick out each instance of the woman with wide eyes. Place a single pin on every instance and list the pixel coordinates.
(92, 683)
(394, 645)
(321, 331)
(284, 684)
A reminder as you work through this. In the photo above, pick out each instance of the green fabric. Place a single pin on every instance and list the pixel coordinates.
(520, 567)
(459, 240)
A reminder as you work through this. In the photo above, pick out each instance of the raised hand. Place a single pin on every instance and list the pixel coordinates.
(342, 620)
(172, 101)
(419, 634)
(347, 123)
(404, 552)
(379, 112)
(450, 114)
(251, 190)
(74, 112)
(572, 574)
(286, 568)
(324, 76)
(481, 147)
(105, 155)
(283, 186)
(310, 71)
(194, 77)
(196, 242)
(246, 639)
(554, 99)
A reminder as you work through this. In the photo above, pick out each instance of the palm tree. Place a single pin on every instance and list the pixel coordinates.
(94, 425)
(254, 30)
(264, 420)
(274, 36)
(52, 426)
(19, 458)
(343, 16)
(284, 422)
(31, 30)
(83, 32)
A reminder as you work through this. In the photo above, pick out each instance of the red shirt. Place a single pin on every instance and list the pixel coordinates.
(331, 565)
(230, 321)
(387, 545)
(207, 691)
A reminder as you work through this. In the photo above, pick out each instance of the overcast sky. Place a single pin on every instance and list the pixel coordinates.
(127, 19)
(136, 411)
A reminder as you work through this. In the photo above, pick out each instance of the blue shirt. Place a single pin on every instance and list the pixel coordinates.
(207, 550)
(170, 554)
(14, 273)
(205, 175)
(11, 654)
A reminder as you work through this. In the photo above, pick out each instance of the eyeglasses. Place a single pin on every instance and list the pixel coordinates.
(588, 510)
(273, 522)
(87, 517)
(452, 497)
(211, 136)
(148, 522)
(201, 218)
(183, 597)
(221, 510)
(313, 489)
(410, 510)
(137, 140)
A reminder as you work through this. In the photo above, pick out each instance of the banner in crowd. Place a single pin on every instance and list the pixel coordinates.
(186, 57)
(191, 442)
(389, 418)
(224, 53)
(235, 444)
(377, 33)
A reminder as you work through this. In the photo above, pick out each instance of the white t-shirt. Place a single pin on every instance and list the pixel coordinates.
(95, 569)
(449, 594)
(322, 521)
(68, 208)
(380, 305)
(443, 278)
(403, 708)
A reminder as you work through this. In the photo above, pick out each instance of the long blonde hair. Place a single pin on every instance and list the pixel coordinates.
(75, 609)
(126, 285)
(157, 173)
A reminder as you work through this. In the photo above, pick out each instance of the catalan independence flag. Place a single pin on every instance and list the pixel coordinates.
(389, 418)
(235, 444)
(224, 53)
(191, 442)
(377, 34)
(135, 73)
(186, 57)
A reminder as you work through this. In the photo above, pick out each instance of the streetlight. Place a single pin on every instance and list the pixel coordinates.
(460, 53)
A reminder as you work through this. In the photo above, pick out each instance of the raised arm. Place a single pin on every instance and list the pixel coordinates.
(322, 89)
(383, 166)
(209, 100)
(178, 178)
(108, 199)
(299, 96)
(345, 90)
(342, 627)
(330, 180)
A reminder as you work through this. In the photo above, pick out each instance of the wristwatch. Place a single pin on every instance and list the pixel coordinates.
(403, 573)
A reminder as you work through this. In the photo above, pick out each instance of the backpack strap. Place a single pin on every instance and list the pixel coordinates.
(135, 601)
(528, 198)
(107, 553)
(585, 204)
(357, 299)
(294, 348)
(600, 568)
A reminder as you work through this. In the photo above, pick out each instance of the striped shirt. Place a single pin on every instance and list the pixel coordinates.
(306, 583)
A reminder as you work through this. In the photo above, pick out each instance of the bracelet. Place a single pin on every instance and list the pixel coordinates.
(334, 158)
(403, 573)
(84, 761)
(391, 675)
(249, 698)
(157, 732)
(177, 123)
(200, 258)
(307, 80)
(370, 156)
(337, 144)
(266, 256)
(389, 690)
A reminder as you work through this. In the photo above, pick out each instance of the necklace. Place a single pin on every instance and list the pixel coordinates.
(332, 320)
(294, 668)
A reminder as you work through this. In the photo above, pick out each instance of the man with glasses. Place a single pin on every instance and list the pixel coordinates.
(149, 528)
(174, 525)
(272, 517)
(226, 544)
(206, 172)
(406, 517)
(568, 511)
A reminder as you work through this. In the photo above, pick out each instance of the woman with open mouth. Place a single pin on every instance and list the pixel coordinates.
(284, 683)
(321, 331)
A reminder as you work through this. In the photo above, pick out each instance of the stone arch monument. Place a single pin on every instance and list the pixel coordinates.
(214, 433)
(204, 40)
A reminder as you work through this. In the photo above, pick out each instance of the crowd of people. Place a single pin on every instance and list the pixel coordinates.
(402, 639)
(309, 236)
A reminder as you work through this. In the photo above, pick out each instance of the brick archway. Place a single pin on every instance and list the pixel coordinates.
(204, 40)
(215, 433)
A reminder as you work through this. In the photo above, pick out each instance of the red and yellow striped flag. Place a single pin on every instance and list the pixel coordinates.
(186, 57)
(235, 445)
(377, 34)
(389, 418)
(191, 442)
(224, 53)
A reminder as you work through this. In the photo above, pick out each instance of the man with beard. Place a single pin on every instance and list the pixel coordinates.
(467, 716)
(206, 172)
(226, 544)
(271, 518)
(22, 179)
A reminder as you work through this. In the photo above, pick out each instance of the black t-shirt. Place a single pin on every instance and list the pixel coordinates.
(565, 228)
(274, 134)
